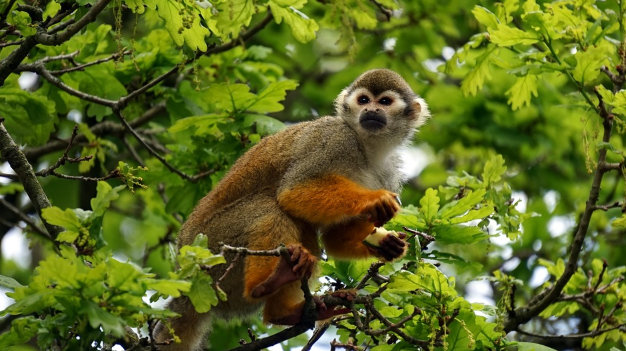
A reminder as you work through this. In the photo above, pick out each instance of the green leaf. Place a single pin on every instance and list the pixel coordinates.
(485, 17)
(504, 35)
(267, 100)
(522, 91)
(265, 125)
(233, 16)
(589, 62)
(120, 273)
(480, 213)
(168, 287)
(29, 117)
(183, 23)
(99, 317)
(105, 195)
(456, 208)
(429, 205)
(619, 223)
(479, 74)
(494, 169)
(302, 27)
(51, 9)
(458, 234)
(9, 282)
(11, 188)
(67, 236)
(202, 294)
(66, 219)
(530, 346)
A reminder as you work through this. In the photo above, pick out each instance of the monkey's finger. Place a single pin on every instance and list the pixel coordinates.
(299, 265)
(393, 251)
(380, 213)
(395, 240)
(402, 235)
(397, 198)
(295, 254)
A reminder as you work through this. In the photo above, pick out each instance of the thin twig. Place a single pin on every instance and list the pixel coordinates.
(41, 69)
(113, 174)
(16, 211)
(317, 334)
(154, 153)
(616, 204)
(61, 161)
(82, 67)
(133, 152)
(372, 273)
(396, 329)
(17, 42)
(102, 128)
(581, 336)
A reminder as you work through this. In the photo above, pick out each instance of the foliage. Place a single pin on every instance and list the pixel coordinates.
(525, 145)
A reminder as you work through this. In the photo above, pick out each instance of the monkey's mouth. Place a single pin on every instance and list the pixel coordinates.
(372, 121)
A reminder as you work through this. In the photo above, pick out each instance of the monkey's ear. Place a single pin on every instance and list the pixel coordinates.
(421, 114)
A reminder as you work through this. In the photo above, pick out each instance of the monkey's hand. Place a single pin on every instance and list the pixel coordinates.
(381, 210)
(300, 264)
(389, 245)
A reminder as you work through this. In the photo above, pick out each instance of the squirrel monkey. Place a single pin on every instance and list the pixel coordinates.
(336, 175)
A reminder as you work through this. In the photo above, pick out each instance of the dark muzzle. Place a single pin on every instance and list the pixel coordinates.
(372, 120)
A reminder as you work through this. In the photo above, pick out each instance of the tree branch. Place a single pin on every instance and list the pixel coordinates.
(24, 217)
(58, 38)
(154, 153)
(11, 152)
(541, 301)
(102, 128)
(8, 64)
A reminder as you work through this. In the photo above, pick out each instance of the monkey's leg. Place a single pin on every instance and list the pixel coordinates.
(345, 240)
(265, 275)
(300, 264)
(286, 306)
(333, 198)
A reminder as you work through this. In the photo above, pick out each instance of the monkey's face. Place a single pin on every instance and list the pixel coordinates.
(383, 114)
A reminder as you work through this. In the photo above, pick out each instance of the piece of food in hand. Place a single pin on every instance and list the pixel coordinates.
(386, 244)
(375, 239)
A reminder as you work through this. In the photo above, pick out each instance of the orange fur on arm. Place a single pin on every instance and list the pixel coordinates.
(327, 200)
(346, 240)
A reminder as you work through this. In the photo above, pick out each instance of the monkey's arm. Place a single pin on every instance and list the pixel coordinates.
(345, 241)
(331, 199)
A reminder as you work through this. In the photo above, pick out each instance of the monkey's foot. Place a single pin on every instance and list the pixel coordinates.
(390, 247)
(327, 309)
(324, 311)
(301, 263)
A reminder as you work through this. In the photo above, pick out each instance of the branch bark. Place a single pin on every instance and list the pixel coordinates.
(541, 301)
(12, 153)
(10, 63)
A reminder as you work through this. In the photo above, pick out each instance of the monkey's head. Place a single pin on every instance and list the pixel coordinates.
(380, 104)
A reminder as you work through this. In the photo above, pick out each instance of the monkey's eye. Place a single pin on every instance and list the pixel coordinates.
(362, 100)
(385, 101)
